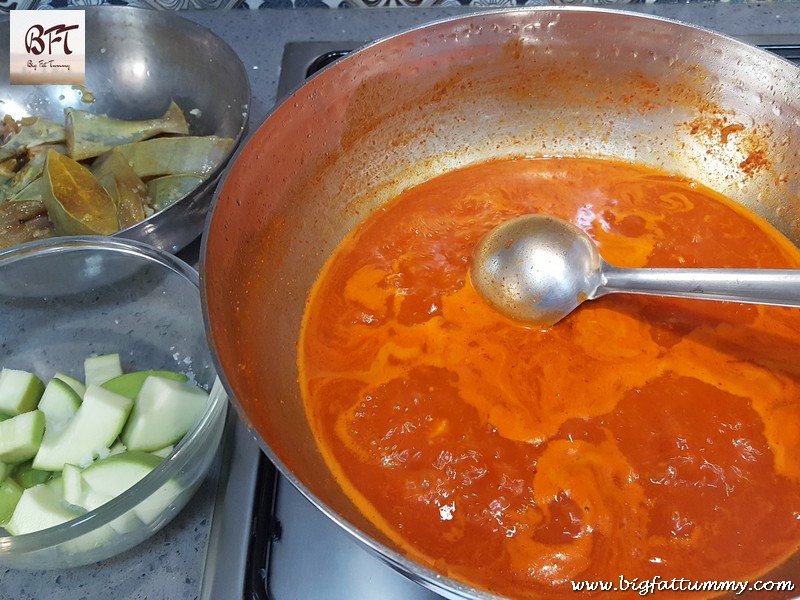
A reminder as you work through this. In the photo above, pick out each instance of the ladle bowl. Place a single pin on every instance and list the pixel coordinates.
(539, 268)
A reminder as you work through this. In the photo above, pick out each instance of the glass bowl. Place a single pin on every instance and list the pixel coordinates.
(67, 298)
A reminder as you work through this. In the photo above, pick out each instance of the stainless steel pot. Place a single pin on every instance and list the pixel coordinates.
(535, 81)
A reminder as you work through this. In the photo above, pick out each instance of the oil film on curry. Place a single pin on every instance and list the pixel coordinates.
(634, 437)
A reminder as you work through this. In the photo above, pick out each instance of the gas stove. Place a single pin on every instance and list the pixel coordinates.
(294, 551)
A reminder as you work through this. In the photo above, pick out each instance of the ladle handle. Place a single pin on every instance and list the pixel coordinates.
(780, 287)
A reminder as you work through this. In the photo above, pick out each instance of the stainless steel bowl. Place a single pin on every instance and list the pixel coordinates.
(533, 81)
(137, 60)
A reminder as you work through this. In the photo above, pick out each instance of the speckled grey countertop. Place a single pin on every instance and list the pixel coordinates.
(170, 565)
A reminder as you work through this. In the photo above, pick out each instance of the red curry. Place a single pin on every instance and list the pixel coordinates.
(639, 437)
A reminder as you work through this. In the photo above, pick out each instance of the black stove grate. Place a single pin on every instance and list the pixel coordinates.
(788, 51)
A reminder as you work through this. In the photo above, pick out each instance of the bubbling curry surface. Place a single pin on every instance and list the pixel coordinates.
(639, 437)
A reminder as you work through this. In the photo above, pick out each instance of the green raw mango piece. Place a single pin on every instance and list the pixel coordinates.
(27, 476)
(75, 200)
(90, 135)
(29, 173)
(33, 131)
(123, 185)
(167, 190)
(190, 155)
(23, 221)
(10, 493)
(129, 384)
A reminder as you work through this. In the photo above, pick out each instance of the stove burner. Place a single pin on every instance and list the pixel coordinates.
(301, 60)
(326, 59)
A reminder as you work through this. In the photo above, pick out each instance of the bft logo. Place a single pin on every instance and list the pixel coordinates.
(48, 47)
(39, 40)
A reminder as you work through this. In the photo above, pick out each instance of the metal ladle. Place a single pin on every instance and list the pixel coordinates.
(538, 268)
